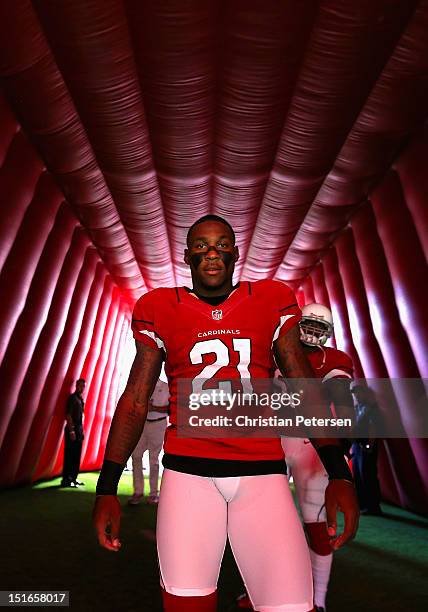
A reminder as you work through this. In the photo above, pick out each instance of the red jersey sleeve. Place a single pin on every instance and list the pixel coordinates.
(339, 365)
(288, 313)
(144, 326)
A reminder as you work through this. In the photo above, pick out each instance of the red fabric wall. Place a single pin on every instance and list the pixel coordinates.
(61, 317)
(374, 279)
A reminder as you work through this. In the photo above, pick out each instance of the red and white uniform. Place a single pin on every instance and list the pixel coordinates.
(310, 477)
(329, 362)
(197, 513)
(303, 463)
(232, 340)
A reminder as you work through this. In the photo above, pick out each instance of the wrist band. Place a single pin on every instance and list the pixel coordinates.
(109, 478)
(334, 462)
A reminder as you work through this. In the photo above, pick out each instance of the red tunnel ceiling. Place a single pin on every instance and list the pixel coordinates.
(301, 122)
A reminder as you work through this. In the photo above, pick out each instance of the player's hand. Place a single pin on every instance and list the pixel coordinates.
(340, 496)
(106, 519)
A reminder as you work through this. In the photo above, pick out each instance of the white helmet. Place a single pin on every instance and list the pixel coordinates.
(316, 325)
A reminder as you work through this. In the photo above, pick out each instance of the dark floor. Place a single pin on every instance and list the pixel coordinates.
(48, 543)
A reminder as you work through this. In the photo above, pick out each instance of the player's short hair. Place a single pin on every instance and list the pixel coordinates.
(80, 380)
(210, 218)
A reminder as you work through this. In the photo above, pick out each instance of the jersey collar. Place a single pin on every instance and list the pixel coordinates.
(215, 313)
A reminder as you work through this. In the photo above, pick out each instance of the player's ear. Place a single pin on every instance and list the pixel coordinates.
(236, 253)
(186, 257)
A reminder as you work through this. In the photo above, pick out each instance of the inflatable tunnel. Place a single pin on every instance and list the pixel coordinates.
(121, 123)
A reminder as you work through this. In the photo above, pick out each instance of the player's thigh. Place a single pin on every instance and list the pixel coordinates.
(191, 533)
(269, 544)
(310, 482)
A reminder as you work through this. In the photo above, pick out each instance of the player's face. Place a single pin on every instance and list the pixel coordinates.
(211, 255)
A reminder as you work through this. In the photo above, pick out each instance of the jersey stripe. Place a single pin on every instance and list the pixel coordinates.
(283, 319)
(288, 307)
(335, 374)
(154, 337)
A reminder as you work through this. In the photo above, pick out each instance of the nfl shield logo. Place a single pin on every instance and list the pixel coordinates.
(217, 315)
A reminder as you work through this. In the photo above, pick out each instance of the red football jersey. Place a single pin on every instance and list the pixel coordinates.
(328, 362)
(230, 341)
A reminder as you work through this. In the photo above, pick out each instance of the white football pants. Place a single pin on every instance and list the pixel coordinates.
(196, 515)
(309, 476)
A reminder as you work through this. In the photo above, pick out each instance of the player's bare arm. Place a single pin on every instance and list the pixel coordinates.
(340, 493)
(293, 363)
(130, 416)
(290, 356)
(126, 428)
(340, 396)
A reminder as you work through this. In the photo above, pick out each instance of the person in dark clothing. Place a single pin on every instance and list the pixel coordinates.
(73, 437)
(365, 450)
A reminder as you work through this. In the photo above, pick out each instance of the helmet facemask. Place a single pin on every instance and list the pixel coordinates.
(315, 331)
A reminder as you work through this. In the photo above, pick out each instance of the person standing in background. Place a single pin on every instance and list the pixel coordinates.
(73, 436)
(365, 449)
(151, 440)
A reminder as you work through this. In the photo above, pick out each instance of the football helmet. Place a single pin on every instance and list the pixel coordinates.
(316, 325)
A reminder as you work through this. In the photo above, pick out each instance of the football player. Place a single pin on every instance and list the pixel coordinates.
(335, 369)
(214, 489)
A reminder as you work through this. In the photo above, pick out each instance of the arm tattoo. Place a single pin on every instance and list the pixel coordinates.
(131, 411)
(340, 396)
(290, 357)
(293, 363)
